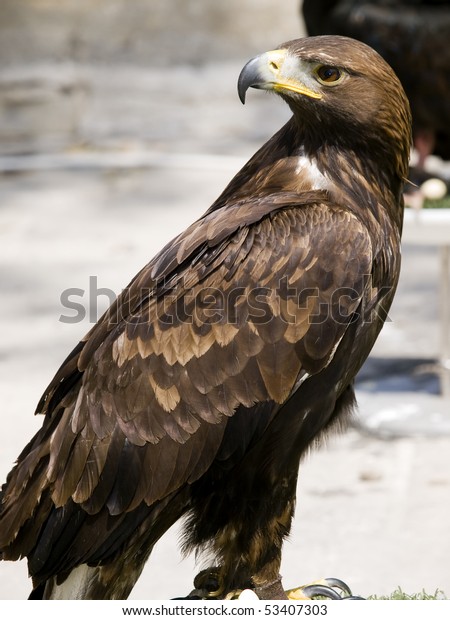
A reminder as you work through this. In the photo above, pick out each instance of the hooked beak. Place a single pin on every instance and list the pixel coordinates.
(275, 70)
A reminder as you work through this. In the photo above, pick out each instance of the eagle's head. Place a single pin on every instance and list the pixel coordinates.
(340, 90)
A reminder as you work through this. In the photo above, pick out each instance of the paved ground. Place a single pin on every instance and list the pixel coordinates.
(372, 510)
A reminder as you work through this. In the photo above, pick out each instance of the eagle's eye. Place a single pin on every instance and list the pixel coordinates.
(326, 74)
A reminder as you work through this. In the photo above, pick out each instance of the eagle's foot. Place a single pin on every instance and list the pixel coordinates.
(329, 588)
(208, 585)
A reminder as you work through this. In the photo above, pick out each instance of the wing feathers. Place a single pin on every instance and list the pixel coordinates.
(225, 319)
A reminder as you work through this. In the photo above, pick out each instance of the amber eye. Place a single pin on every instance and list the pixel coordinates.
(328, 74)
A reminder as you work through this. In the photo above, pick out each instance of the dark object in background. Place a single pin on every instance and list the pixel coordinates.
(414, 38)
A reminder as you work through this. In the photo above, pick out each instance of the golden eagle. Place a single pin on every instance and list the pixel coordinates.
(198, 391)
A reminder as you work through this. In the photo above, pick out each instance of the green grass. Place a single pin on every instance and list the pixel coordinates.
(399, 595)
(444, 203)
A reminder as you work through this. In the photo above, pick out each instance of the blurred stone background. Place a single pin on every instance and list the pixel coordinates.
(83, 73)
(119, 124)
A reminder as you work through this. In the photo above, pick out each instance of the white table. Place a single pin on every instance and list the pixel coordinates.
(432, 227)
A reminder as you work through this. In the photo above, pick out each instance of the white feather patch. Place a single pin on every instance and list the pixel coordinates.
(308, 168)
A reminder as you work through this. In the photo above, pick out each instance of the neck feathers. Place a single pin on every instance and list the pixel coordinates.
(292, 161)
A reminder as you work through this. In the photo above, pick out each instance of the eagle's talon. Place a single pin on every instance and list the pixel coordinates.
(346, 595)
(333, 582)
(319, 590)
(324, 588)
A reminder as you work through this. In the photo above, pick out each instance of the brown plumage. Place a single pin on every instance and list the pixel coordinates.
(412, 36)
(201, 387)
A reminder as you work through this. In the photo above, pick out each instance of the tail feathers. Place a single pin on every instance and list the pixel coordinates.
(113, 581)
(83, 583)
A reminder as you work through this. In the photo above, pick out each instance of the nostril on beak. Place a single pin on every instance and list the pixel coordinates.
(274, 66)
